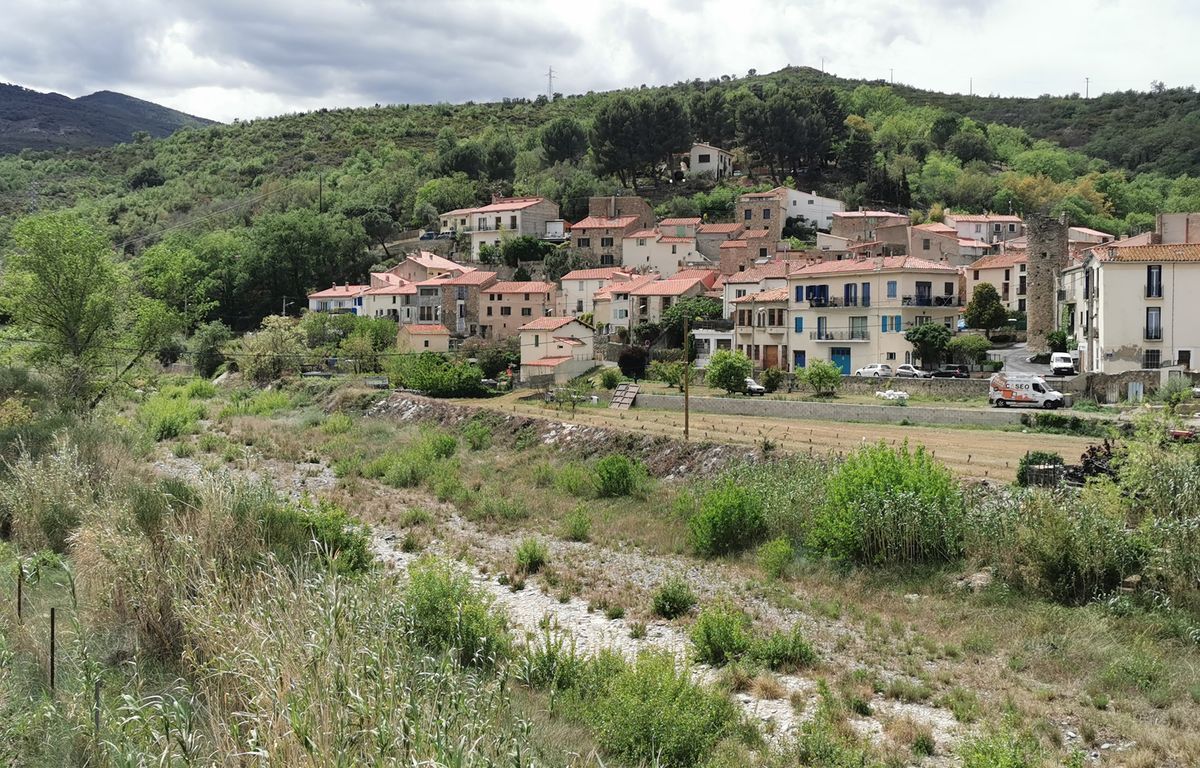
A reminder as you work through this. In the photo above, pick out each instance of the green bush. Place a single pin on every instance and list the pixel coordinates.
(167, 416)
(720, 635)
(477, 435)
(337, 424)
(771, 379)
(775, 557)
(578, 525)
(532, 556)
(618, 475)
(729, 519)
(728, 370)
(652, 713)
(303, 529)
(200, 389)
(1005, 749)
(434, 375)
(885, 506)
(784, 651)
(575, 480)
(445, 613)
(674, 598)
(610, 378)
(1035, 459)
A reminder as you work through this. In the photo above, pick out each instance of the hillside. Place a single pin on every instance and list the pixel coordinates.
(241, 197)
(45, 121)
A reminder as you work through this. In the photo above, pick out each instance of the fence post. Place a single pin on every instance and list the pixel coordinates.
(20, 590)
(96, 711)
(53, 649)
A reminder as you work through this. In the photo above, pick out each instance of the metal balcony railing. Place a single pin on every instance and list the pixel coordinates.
(835, 302)
(1152, 333)
(922, 300)
(862, 335)
(1153, 290)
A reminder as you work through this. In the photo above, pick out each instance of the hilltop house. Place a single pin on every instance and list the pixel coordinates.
(505, 306)
(861, 225)
(558, 346)
(710, 160)
(345, 299)
(503, 218)
(580, 285)
(988, 227)
(609, 221)
(418, 337)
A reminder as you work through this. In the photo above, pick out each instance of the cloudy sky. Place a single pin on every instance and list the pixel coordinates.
(227, 59)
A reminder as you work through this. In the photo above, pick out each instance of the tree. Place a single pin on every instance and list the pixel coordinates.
(379, 226)
(521, 275)
(560, 261)
(632, 362)
(668, 372)
(728, 370)
(145, 175)
(563, 140)
(64, 291)
(615, 140)
(493, 358)
(985, 311)
(822, 375)
(1058, 340)
(205, 347)
(929, 340)
(500, 158)
(273, 351)
(514, 250)
(695, 308)
(969, 348)
(173, 273)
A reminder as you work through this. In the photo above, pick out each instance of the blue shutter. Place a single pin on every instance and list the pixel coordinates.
(896, 323)
(885, 322)
(799, 324)
(799, 293)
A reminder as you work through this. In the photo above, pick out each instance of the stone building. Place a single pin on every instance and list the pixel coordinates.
(1047, 258)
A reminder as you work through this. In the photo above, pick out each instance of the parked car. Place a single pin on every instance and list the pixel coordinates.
(754, 388)
(1061, 364)
(430, 235)
(875, 369)
(445, 235)
(911, 372)
(951, 372)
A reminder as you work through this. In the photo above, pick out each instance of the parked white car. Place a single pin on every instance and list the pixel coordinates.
(1061, 364)
(754, 388)
(874, 369)
(910, 371)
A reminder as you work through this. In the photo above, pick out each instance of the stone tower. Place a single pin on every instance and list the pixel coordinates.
(1047, 251)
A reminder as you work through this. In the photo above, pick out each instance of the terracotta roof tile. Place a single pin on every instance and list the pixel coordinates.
(775, 294)
(474, 277)
(1144, 253)
(672, 287)
(547, 324)
(1001, 260)
(601, 273)
(761, 272)
(693, 221)
(535, 286)
(339, 292)
(548, 362)
(604, 222)
(649, 234)
(866, 214)
(509, 204)
(427, 330)
(719, 228)
(888, 263)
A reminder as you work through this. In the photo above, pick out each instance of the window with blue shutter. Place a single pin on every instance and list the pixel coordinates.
(896, 323)
(891, 289)
(799, 293)
(885, 322)
(799, 324)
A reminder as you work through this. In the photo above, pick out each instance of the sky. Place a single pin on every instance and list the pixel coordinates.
(227, 59)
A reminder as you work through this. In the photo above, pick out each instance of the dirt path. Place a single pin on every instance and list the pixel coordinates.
(977, 453)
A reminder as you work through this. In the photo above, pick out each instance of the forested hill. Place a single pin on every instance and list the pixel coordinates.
(33, 120)
(317, 188)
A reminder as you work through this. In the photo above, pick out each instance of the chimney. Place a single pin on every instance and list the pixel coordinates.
(878, 263)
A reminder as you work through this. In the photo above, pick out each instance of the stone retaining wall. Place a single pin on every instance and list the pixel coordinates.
(805, 409)
(960, 388)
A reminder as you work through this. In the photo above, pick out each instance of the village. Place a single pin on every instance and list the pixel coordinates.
(850, 297)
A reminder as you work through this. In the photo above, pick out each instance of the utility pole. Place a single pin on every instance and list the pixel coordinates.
(971, 87)
(286, 304)
(891, 75)
(822, 63)
(321, 193)
(550, 83)
(687, 368)
(1087, 87)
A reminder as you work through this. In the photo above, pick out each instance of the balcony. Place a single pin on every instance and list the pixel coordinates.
(922, 300)
(1154, 290)
(1152, 333)
(835, 303)
(863, 335)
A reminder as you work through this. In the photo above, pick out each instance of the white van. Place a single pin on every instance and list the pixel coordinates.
(1006, 389)
(1061, 364)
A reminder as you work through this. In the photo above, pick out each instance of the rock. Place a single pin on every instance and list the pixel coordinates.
(912, 598)
(977, 582)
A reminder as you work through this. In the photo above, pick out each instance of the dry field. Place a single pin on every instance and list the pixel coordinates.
(977, 453)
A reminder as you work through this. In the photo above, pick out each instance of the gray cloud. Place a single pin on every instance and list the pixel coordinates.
(246, 58)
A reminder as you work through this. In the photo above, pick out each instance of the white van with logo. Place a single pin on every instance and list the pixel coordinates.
(1007, 389)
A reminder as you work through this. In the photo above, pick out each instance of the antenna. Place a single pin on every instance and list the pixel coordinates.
(550, 83)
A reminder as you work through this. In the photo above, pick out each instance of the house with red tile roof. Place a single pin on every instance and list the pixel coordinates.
(506, 306)
(752, 246)
(422, 337)
(856, 311)
(391, 296)
(761, 277)
(1006, 271)
(651, 250)
(423, 265)
(760, 327)
(861, 225)
(503, 218)
(609, 220)
(649, 300)
(580, 285)
(990, 228)
(338, 299)
(611, 305)
(461, 301)
(709, 161)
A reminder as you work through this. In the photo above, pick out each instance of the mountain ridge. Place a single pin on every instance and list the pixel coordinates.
(37, 120)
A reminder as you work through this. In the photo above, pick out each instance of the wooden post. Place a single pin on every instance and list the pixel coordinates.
(20, 590)
(96, 711)
(687, 367)
(53, 649)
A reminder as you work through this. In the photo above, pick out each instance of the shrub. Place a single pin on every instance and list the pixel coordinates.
(337, 424)
(273, 351)
(205, 347)
(440, 445)
(784, 651)
(674, 598)
(775, 556)
(578, 525)
(302, 529)
(652, 713)
(618, 475)
(1035, 459)
(720, 635)
(632, 362)
(887, 506)
(772, 378)
(199, 389)
(728, 370)
(532, 556)
(445, 613)
(729, 519)
(574, 479)
(167, 416)
(1004, 749)
(610, 378)
(477, 435)
(822, 375)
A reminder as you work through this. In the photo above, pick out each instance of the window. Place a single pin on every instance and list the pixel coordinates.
(866, 294)
(673, 247)
(762, 253)
(703, 158)
(740, 292)
(996, 228)
(526, 311)
(799, 324)
(505, 311)
(766, 213)
(641, 241)
(1021, 285)
(579, 305)
(427, 343)
(1021, 269)
(512, 222)
(1154, 281)
(891, 289)
(891, 356)
(925, 244)
(606, 242)
(810, 202)
(978, 227)
(948, 289)
(977, 274)
(585, 242)
(895, 322)
(537, 339)
(799, 293)
(1151, 358)
(498, 220)
(884, 325)
(489, 312)
(606, 259)
(526, 297)
(1020, 305)
(1012, 227)
(748, 214)
(1154, 323)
